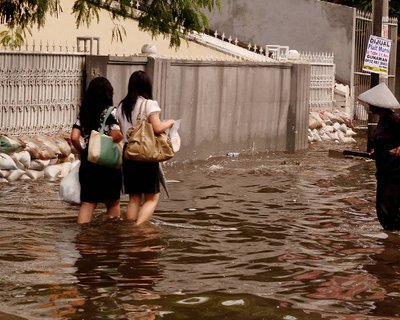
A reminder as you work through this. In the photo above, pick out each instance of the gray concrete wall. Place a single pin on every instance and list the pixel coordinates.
(304, 25)
(226, 106)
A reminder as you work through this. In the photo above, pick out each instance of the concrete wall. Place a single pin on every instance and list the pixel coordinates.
(224, 106)
(304, 25)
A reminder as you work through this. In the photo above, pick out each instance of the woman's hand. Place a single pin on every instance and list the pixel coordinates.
(395, 152)
(116, 135)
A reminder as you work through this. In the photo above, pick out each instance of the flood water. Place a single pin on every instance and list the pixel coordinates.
(262, 236)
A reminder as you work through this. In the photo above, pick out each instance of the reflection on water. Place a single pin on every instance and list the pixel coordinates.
(265, 236)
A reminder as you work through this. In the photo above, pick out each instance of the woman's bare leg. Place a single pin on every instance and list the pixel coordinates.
(113, 209)
(133, 206)
(147, 209)
(86, 210)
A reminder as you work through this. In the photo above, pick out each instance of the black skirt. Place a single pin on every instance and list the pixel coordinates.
(141, 177)
(99, 183)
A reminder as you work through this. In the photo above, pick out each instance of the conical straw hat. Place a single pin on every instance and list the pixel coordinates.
(380, 96)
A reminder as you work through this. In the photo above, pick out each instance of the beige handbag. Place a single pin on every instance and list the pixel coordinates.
(143, 144)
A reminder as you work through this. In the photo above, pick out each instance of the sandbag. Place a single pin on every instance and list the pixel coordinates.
(31, 147)
(15, 174)
(18, 163)
(6, 162)
(34, 174)
(316, 116)
(63, 146)
(52, 171)
(23, 157)
(38, 164)
(54, 161)
(4, 173)
(314, 123)
(48, 149)
(9, 145)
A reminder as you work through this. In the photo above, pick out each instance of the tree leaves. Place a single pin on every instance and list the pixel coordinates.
(170, 18)
(20, 16)
(175, 18)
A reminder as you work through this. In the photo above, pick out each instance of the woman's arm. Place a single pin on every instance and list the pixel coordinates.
(76, 139)
(158, 125)
(395, 152)
(115, 126)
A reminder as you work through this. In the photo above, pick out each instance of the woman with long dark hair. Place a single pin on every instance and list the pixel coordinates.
(141, 179)
(99, 184)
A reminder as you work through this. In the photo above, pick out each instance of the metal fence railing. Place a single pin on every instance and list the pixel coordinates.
(322, 82)
(39, 92)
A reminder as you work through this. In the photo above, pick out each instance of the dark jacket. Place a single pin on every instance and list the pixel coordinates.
(386, 137)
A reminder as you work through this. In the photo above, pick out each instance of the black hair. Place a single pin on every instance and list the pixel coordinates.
(139, 85)
(98, 96)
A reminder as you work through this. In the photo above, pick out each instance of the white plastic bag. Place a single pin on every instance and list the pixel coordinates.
(70, 187)
(174, 135)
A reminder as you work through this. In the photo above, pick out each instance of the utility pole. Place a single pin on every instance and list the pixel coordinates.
(377, 17)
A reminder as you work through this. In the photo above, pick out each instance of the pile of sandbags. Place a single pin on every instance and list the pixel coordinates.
(35, 157)
(330, 126)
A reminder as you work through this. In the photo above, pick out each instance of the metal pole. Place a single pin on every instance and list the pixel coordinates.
(377, 14)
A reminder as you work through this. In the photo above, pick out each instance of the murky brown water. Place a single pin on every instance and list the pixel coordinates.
(271, 236)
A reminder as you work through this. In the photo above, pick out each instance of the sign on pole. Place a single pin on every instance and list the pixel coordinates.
(377, 56)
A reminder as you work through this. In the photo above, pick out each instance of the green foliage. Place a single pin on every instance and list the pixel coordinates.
(84, 12)
(175, 18)
(118, 32)
(26, 13)
(13, 37)
(169, 18)
(20, 16)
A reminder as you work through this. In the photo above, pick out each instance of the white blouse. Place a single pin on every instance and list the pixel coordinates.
(149, 107)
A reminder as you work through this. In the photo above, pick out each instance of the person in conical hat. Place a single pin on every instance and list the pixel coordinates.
(385, 149)
(380, 96)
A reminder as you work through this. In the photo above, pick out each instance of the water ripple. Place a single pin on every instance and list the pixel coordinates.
(269, 235)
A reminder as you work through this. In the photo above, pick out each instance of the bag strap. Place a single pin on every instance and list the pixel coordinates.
(140, 113)
(109, 110)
